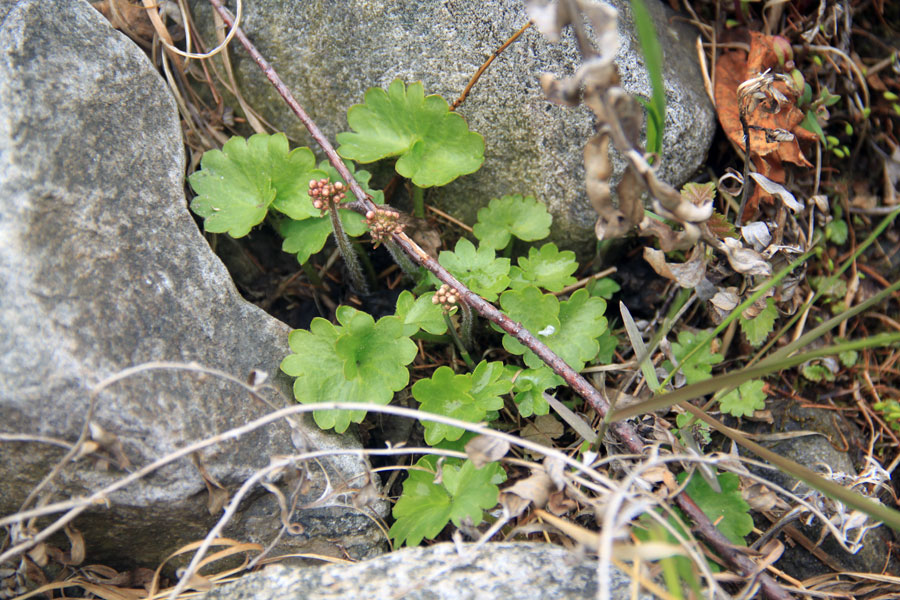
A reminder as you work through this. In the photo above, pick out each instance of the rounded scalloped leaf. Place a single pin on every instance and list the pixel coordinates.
(479, 269)
(378, 351)
(304, 238)
(446, 393)
(375, 352)
(236, 185)
(547, 268)
(539, 313)
(513, 215)
(434, 145)
(420, 313)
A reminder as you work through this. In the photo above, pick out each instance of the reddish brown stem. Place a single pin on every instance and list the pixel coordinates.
(624, 431)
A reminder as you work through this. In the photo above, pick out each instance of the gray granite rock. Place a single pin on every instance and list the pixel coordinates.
(507, 571)
(814, 451)
(329, 53)
(103, 268)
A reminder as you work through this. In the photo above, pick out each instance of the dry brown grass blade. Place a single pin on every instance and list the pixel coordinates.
(235, 547)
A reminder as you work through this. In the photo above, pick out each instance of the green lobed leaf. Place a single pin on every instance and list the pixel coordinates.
(698, 429)
(236, 185)
(434, 145)
(479, 270)
(547, 268)
(539, 313)
(525, 218)
(699, 364)
(446, 393)
(529, 388)
(817, 372)
(607, 348)
(425, 507)
(472, 491)
(743, 401)
(581, 323)
(420, 313)
(466, 397)
(604, 287)
(728, 510)
(757, 329)
(304, 238)
(490, 381)
(307, 237)
(569, 328)
(358, 361)
(837, 232)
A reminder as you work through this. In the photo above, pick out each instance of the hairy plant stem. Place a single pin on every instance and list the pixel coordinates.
(624, 431)
(418, 198)
(401, 259)
(459, 343)
(357, 277)
(465, 325)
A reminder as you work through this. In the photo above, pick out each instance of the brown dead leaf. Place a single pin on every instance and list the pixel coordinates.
(76, 541)
(534, 489)
(559, 503)
(687, 274)
(768, 155)
(484, 449)
(543, 430)
(760, 497)
(128, 17)
(218, 495)
(660, 474)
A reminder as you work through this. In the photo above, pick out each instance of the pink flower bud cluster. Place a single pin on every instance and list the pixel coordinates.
(383, 222)
(323, 193)
(446, 297)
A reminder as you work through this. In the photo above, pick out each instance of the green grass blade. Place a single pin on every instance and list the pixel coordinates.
(653, 59)
(640, 350)
(731, 380)
(877, 511)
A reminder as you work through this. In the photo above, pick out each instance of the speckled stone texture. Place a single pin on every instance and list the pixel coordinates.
(503, 571)
(828, 431)
(329, 53)
(103, 268)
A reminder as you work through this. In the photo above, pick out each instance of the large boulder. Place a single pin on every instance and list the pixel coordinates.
(507, 571)
(329, 53)
(102, 268)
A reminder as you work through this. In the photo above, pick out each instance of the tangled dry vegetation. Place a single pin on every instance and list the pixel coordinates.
(788, 245)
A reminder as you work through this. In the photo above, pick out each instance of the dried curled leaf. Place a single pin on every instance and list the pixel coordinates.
(535, 489)
(743, 260)
(688, 274)
(484, 449)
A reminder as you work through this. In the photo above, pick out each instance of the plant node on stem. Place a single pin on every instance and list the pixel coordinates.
(326, 197)
(384, 222)
(448, 299)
